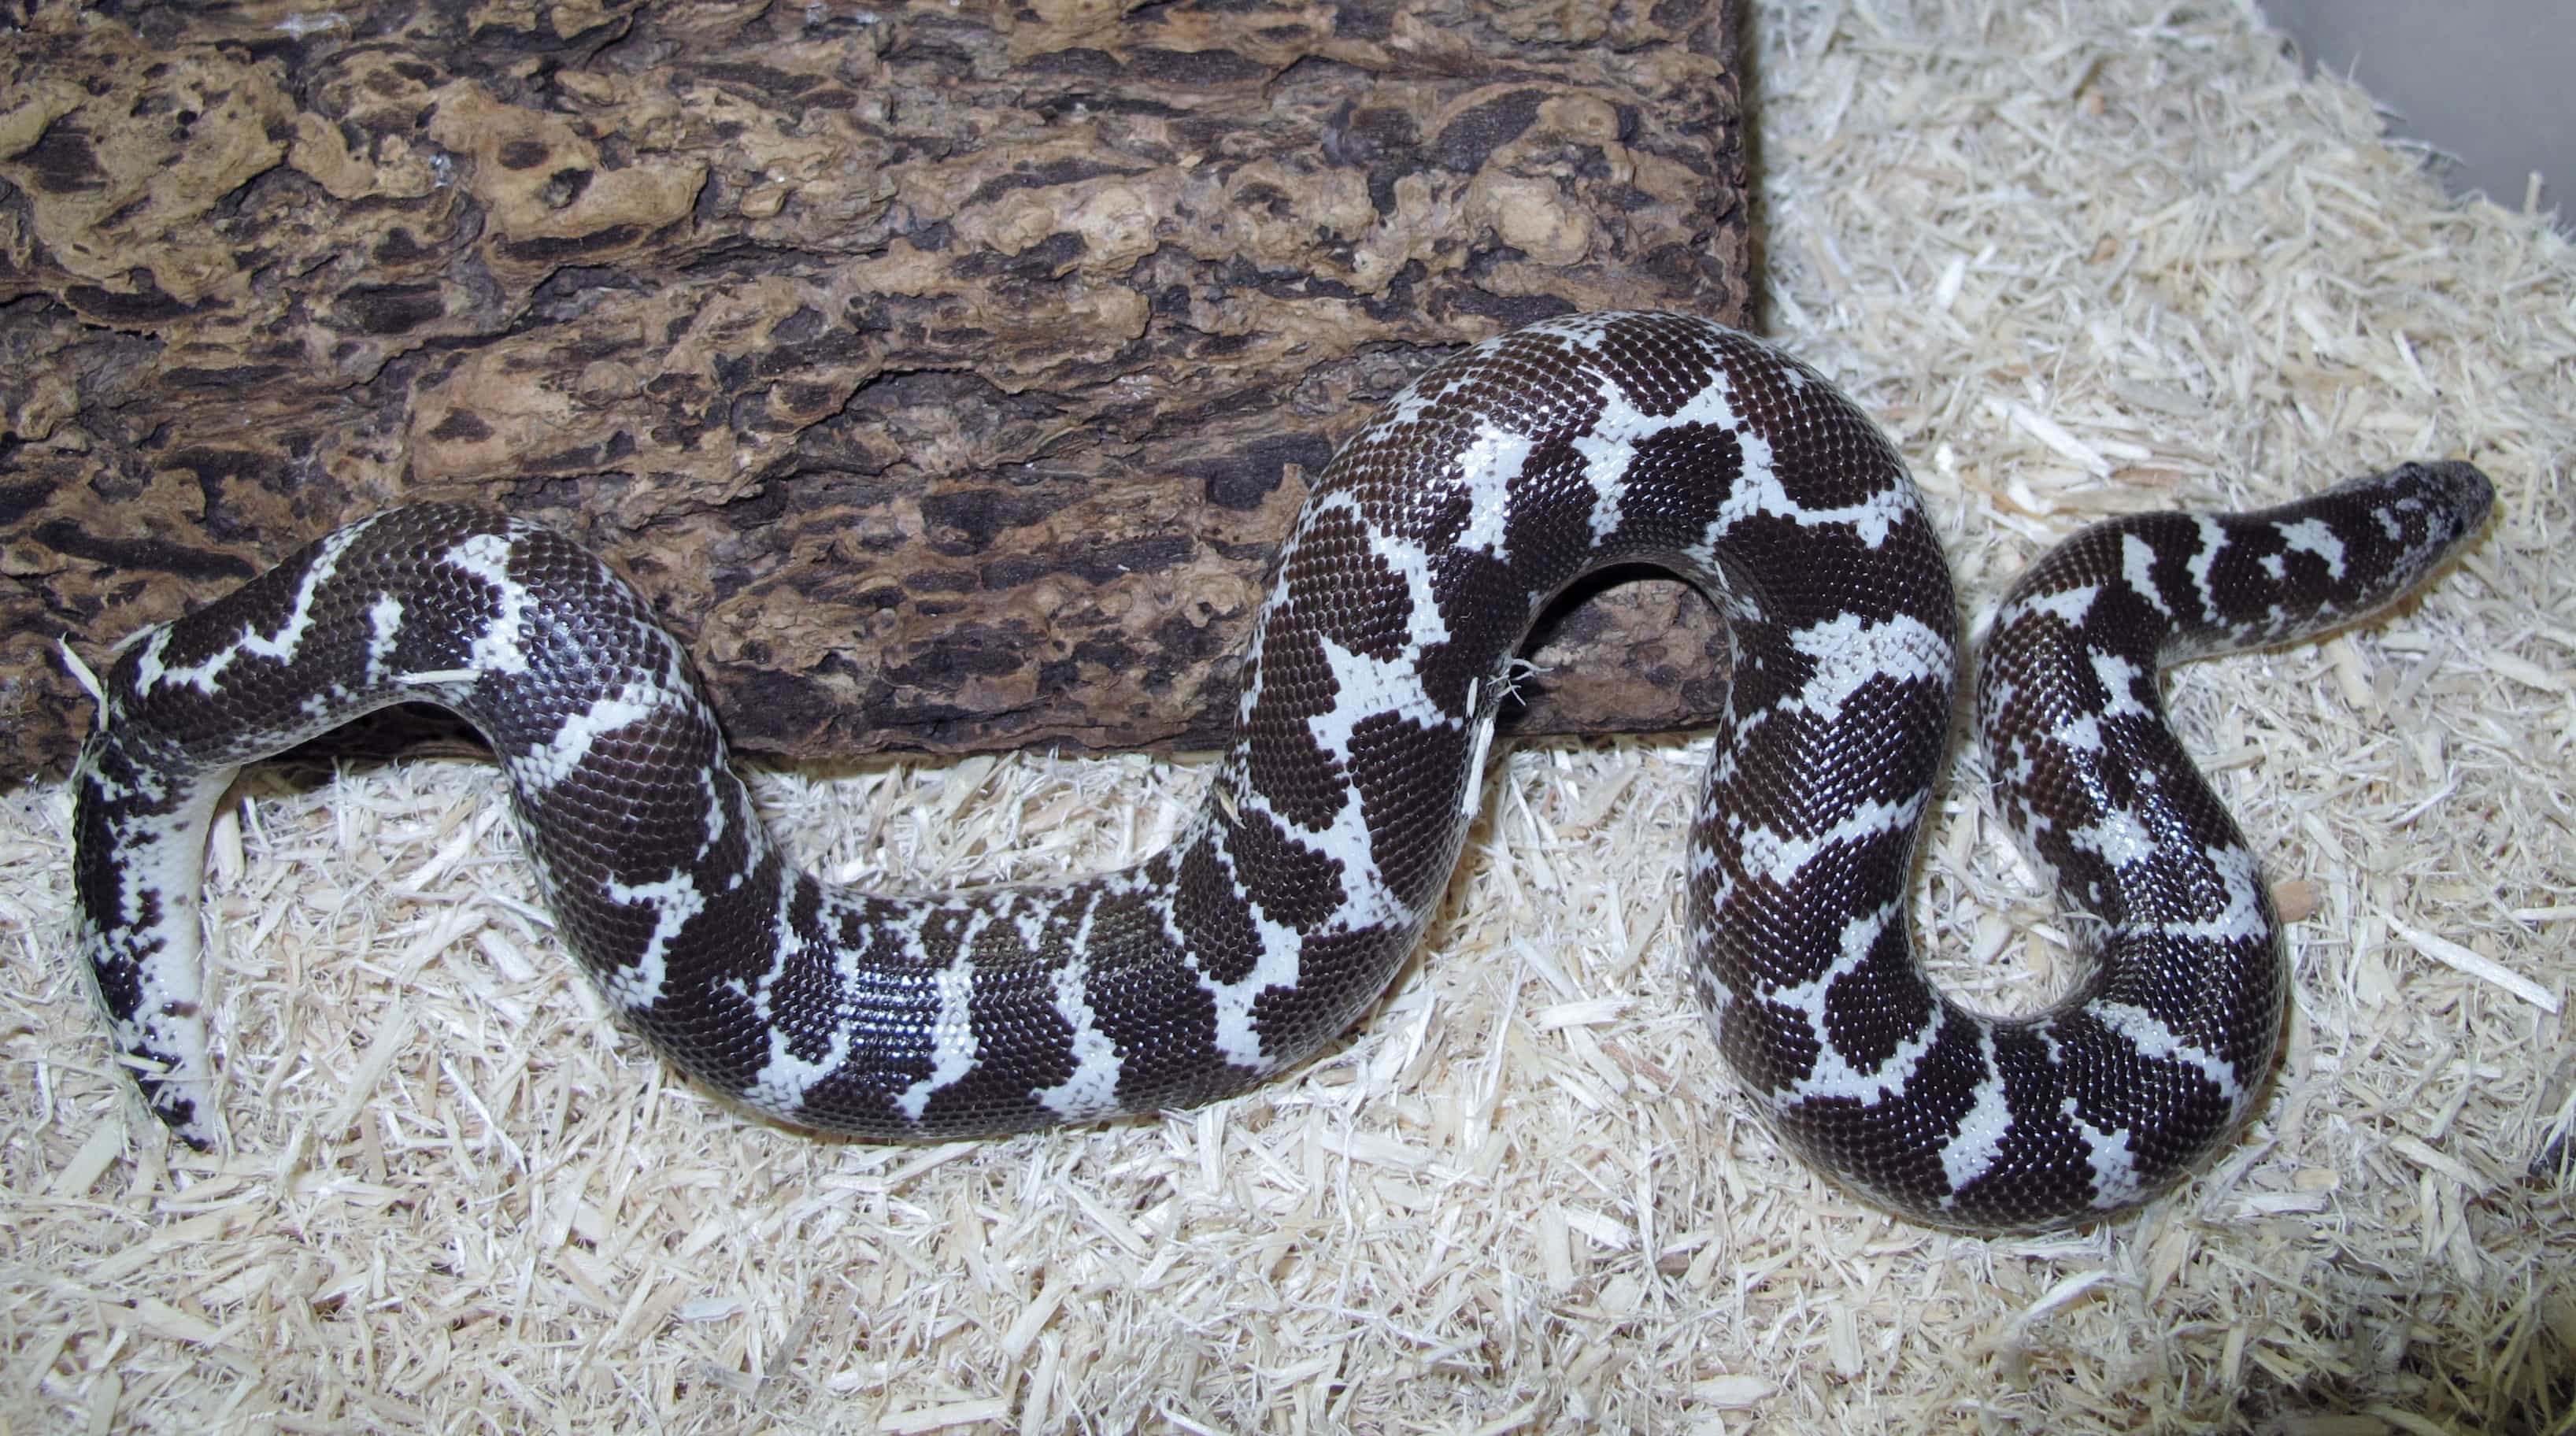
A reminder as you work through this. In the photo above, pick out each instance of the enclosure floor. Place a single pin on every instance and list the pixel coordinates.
(2081, 263)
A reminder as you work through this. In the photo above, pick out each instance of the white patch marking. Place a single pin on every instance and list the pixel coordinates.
(2213, 542)
(1970, 1152)
(2122, 681)
(2312, 536)
(2153, 1039)
(1487, 468)
(2115, 1166)
(1833, 1075)
(1759, 491)
(544, 767)
(384, 627)
(2082, 735)
(1092, 1088)
(2121, 837)
(2138, 571)
(150, 671)
(784, 1080)
(2068, 606)
(953, 1043)
(1783, 857)
(2240, 876)
(1851, 653)
(1368, 687)
(674, 900)
(1236, 1036)
(497, 648)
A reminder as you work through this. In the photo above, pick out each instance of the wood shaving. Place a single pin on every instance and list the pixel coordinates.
(2080, 259)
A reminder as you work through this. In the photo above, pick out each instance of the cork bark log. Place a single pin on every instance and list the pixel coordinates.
(947, 377)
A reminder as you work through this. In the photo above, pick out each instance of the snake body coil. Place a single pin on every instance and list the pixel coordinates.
(1409, 579)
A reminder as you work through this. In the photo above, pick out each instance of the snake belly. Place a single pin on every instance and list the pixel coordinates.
(1409, 579)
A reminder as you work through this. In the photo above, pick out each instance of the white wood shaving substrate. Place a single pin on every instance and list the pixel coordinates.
(2078, 263)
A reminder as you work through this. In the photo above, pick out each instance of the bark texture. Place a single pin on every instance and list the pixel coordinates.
(947, 375)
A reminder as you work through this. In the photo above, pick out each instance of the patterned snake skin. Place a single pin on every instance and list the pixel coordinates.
(1409, 579)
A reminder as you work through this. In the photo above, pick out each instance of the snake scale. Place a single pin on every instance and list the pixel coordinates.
(1413, 572)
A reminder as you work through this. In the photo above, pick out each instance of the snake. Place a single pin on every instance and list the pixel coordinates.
(1399, 598)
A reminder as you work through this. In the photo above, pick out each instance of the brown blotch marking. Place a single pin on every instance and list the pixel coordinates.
(1218, 929)
(1284, 763)
(1880, 1004)
(1338, 586)
(1338, 975)
(1411, 781)
(1769, 1044)
(1293, 883)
